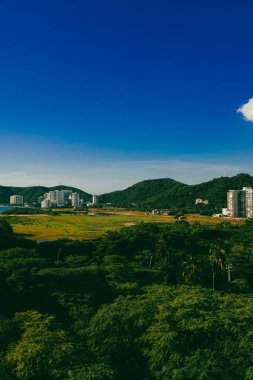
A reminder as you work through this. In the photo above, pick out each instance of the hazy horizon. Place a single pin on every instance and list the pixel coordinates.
(91, 188)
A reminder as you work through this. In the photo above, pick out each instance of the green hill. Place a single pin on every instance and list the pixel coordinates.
(175, 196)
(32, 193)
(140, 192)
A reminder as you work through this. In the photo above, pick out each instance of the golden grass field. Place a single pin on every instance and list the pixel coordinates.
(81, 227)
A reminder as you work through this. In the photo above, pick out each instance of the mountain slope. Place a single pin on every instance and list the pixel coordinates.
(173, 195)
(32, 193)
(215, 191)
(140, 192)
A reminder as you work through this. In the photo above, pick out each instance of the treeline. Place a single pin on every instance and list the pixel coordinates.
(28, 211)
(39, 211)
(151, 302)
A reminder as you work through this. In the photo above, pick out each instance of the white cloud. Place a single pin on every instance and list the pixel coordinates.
(247, 110)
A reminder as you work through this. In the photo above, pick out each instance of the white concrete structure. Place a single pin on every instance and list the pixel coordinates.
(59, 198)
(51, 195)
(94, 199)
(240, 203)
(46, 203)
(233, 203)
(17, 200)
(225, 212)
(248, 202)
(75, 199)
(199, 200)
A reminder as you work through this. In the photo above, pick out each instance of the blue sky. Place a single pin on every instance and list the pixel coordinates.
(101, 94)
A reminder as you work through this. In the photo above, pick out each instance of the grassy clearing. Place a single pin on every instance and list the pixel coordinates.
(81, 227)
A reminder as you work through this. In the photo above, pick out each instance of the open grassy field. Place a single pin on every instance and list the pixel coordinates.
(80, 227)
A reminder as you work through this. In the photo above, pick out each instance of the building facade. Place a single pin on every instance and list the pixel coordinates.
(46, 203)
(94, 199)
(248, 202)
(17, 200)
(240, 203)
(75, 199)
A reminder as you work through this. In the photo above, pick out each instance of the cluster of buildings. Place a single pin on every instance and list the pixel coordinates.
(201, 201)
(160, 212)
(60, 198)
(56, 198)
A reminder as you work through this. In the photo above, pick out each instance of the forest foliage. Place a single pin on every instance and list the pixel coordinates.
(150, 302)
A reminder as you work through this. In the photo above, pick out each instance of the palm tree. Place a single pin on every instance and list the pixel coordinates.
(164, 254)
(191, 270)
(217, 259)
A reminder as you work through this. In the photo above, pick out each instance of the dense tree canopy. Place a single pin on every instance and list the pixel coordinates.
(150, 302)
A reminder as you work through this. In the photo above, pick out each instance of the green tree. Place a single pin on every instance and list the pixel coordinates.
(91, 372)
(44, 351)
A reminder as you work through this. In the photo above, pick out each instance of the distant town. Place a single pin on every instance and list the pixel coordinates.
(239, 202)
(56, 198)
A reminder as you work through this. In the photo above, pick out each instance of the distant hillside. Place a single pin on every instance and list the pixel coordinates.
(140, 192)
(215, 191)
(175, 196)
(154, 193)
(32, 193)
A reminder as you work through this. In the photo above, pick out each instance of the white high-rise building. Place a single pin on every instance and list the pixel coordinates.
(94, 199)
(232, 203)
(46, 203)
(51, 195)
(17, 200)
(240, 203)
(248, 202)
(59, 198)
(75, 199)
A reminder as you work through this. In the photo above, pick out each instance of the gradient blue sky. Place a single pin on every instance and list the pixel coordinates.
(101, 94)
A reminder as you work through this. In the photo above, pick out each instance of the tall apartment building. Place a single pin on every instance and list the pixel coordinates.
(17, 200)
(59, 198)
(75, 199)
(66, 195)
(51, 196)
(240, 203)
(248, 202)
(46, 203)
(94, 199)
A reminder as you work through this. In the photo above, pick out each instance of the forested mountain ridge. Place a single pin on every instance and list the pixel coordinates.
(32, 193)
(154, 193)
(175, 195)
(140, 192)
